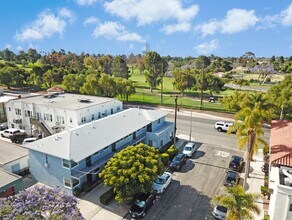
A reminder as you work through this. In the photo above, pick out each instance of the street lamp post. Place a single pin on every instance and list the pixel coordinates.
(190, 136)
(175, 116)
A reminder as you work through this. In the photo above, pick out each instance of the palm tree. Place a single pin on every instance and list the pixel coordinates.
(240, 204)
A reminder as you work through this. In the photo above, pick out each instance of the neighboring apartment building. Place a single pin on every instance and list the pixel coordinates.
(76, 156)
(54, 112)
(9, 183)
(13, 158)
(280, 177)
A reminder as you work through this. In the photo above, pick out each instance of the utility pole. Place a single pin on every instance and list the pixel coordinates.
(175, 116)
(201, 102)
(190, 136)
(161, 90)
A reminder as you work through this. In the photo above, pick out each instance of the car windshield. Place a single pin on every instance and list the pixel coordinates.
(139, 203)
(221, 208)
(231, 178)
(176, 159)
(188, 148)
(159, 181)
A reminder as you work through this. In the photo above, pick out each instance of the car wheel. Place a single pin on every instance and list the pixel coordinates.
(219, 129)
(144, 214)
(154, 200)
(2, 135)
(163, 190)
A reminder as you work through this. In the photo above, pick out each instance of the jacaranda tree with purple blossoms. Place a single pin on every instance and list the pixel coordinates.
(40, 203)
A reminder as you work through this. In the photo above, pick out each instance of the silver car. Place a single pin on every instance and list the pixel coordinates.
(162, 182)
(189, 149)
(220, 212)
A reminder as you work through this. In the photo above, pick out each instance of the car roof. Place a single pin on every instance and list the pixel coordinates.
(189, 144)
(29, 139)
(12, 129)
(164, 175)
(179, 156)
(231, 173)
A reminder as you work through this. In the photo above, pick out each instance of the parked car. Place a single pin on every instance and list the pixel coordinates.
(28, 140)
(18, 137)
(231, 179)
(10, 132)
(162, 182)
(3, 126)
(223, 125)
(236, 163)
(220, 212)
(178, 161)
(189, 149)
(142, 204)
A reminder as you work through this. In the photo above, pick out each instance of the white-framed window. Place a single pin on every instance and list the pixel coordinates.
(70, 120)
(18, 111)
(67, 183)
(118, 108)
(75, 181)
(9, 109)
(69, 163)
(27, 113)
(161, 142)
(158, 122)
(92, 117)
(171, 135)
(48, 117)
(63, 120)
(150, 143)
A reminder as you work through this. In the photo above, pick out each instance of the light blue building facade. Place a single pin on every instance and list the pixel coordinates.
(71, 158)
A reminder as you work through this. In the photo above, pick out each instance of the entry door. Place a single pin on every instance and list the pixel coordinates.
(88, 161)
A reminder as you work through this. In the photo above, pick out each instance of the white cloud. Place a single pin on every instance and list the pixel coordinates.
(286, 16)
(46, 25)
(117, 31)
(8, 46)
(19, 48)
(180, 27)
(150, 11)
(236, 20)
(66, 13)
(86, 2)
(91, 20)
(207, 47)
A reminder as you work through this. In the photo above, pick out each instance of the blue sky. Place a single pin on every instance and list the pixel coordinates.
(170, 27)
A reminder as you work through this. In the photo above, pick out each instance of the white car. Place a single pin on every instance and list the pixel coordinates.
(189, 149)
(10, 132)
(162, 182)
(28, 140)
(220, 212)
(223, 125)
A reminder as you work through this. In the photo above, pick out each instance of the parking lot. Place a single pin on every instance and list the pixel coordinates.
(189, 195)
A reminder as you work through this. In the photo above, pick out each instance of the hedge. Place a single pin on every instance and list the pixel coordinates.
(107, 196)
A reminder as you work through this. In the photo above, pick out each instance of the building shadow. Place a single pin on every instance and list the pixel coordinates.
(198, 154)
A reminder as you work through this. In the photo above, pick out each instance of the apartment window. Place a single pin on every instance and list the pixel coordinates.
(67, 163)
(75, 181)
(18, 111)
(67, 183)
(96, 153)
(83, 119)
(290, 209)
(161, 142)
(9, 109)
(48, 117)
(118, 108)
(171, 135)
(158, 121)
(98, 114)
(150, 143)
(70, 120)
(92, 117)
(112, 111)
(27, 113)
(57, 119)
(63, 120)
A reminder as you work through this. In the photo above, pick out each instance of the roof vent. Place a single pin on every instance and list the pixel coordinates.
(84, 100)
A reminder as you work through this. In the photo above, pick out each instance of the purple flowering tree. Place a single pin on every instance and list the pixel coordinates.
(40, 203)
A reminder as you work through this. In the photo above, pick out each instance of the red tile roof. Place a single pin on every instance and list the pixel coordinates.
(55, 89)
(281, 143)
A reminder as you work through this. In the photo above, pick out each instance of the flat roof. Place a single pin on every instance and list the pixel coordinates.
(67, 101)
(80, 142)
(10, 152)
(7, 178)
(281, 142)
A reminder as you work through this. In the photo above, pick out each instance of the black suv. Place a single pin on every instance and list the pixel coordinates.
(231, 179)
(18, 137)
(236, 163)
(177, 162)
(142, 204)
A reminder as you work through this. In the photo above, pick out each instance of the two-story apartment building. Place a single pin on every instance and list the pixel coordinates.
(52, 113)
(76, 156)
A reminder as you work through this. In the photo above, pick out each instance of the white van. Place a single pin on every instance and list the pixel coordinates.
(28, 140)
(10, 132)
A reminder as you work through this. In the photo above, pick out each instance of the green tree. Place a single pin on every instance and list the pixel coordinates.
(33, 55)
(280, 95)
(211, 83)
(241, 82)
(105, 64)
(153, 64)
(202, 61)
(125, 88)
(183, 79)
(73, 82)
(91, 85)
(119, 67)
(6, 75)
(240, 204)
(131, 171)
(107, 85)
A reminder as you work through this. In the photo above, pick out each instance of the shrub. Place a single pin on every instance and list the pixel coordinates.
(165, 158)
(264, 190)
(107, 196)
(172, 151)
(166, 147)
(268, 80)
(265, 150)
(77, 191)
(251, 80)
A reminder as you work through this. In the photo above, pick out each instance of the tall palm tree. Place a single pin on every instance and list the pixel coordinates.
(240, 204)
